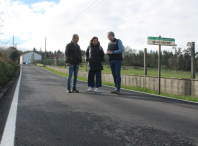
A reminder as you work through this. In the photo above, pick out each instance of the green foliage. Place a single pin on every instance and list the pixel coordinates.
(13, 53)
(7, 70)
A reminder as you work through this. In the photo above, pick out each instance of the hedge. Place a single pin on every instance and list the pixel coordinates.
(8, 70)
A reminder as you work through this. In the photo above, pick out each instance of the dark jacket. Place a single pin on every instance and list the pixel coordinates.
(94, 57)
(113, 46)
(73, 54)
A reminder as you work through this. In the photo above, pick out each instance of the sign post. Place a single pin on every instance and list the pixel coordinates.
(161, 42)
(192, 48)
(159, 68)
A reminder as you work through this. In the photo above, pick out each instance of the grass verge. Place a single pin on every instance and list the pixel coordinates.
(135, 88)
(154, 73)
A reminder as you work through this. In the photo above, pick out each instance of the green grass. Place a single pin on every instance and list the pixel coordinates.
(154, 72)
(135, 88)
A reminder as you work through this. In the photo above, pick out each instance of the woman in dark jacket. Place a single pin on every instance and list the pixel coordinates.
(94, 58)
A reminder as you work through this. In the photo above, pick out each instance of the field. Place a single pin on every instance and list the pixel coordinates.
(150, 72)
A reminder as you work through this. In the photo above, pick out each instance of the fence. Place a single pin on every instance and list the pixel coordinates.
(126, 69)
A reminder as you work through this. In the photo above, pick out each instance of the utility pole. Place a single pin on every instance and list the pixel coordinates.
(192, 60)
(159, 68)
(33, 55)
(13, 40)
(145, 61)
(65, 60)
(45, 50)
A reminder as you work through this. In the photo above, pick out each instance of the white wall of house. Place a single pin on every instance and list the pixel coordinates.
(21, 59)
(29, 56)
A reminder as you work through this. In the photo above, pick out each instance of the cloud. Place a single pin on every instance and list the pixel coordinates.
(132, 22)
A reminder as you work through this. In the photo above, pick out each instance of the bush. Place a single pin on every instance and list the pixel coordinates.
(7, 70)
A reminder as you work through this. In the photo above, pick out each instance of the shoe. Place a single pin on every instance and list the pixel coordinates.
(113, 91)
(97, 90)
(117, 92)
(68, 91)
(75, 90)
(90, 90)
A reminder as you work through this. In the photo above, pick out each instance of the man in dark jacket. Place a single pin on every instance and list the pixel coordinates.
(73, 59)
(115, 49)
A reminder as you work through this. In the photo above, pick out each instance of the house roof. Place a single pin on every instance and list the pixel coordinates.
(29, 52)
(55, 55)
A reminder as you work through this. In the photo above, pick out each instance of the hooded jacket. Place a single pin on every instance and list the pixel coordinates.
(94, 57)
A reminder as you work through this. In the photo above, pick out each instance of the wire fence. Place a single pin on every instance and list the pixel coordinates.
(126, 69)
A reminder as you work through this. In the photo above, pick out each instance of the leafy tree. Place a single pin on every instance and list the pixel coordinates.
(59, 52)
(13, 53)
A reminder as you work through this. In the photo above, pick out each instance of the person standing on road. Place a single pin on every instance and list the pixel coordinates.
(73, 59)
(115, 49)
(94, 58)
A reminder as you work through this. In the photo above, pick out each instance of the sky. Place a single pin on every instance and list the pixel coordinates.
(132, 21)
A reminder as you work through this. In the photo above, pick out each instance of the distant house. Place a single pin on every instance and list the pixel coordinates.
(57, 56)
(26, 57)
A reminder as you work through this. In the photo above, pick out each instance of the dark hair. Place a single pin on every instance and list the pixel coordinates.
(111, 33)
(91, 41)
(74, 36)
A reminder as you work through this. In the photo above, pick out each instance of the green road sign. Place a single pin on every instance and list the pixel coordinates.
(160, 41)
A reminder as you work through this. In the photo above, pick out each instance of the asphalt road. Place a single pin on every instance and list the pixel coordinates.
(48, 116)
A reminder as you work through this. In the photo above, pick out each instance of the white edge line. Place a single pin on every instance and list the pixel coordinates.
(10, 127)
(137, 91)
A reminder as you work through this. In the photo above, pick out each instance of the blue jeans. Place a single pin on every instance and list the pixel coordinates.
(91, 79)
(72, 69)
(116, 68)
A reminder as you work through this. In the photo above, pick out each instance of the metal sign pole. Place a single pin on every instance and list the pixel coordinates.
(145, 61)
(193, 60)
(159, 68)
(13, 40)
(161, 42)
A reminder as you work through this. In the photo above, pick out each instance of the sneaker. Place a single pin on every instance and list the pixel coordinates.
(113, 91)
(117, 92)
(97, 90)
(90, 90)
(75, 90)
(68, 91)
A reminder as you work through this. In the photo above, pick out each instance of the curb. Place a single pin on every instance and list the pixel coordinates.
(135, 91)
(7, 88)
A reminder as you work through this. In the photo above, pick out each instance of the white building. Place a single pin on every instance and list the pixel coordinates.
(26, 57)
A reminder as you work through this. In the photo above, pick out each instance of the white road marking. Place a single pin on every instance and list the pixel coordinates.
(10, 127)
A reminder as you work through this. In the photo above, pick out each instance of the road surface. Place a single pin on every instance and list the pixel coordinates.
(48, 116)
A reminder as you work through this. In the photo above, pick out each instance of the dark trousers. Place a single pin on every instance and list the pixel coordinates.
(116, 68)
(91, 82)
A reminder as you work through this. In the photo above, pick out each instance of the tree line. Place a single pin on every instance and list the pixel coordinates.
(178, 59)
